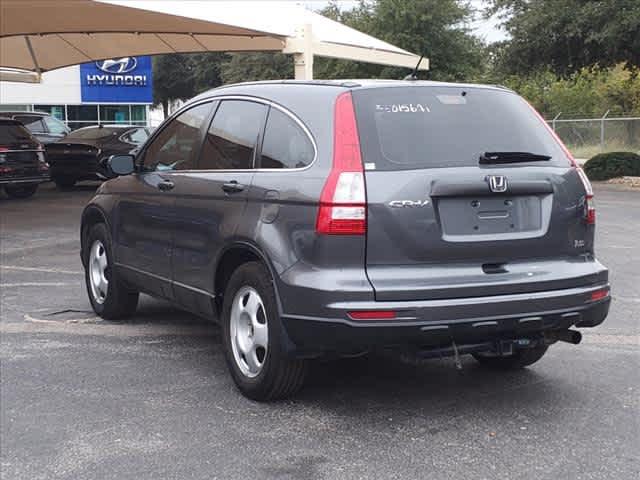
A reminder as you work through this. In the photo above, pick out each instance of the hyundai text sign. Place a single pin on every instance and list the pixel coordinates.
(117, 80)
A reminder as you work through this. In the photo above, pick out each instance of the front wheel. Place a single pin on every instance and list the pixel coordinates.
(21, 191)
(109, 297)
(252, 337)
(520, 359)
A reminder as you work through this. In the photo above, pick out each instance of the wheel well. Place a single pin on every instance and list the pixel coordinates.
(229, 262)
(90, 218)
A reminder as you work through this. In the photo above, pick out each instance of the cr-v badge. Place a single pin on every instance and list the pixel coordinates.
(408, 203)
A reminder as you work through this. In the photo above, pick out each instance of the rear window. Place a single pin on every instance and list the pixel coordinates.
(32, 122)
(12, 134)
(92, 133)
(435, 127)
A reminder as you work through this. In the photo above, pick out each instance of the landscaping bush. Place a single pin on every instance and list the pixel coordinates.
(613, 164)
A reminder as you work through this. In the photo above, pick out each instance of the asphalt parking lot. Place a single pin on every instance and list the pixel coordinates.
(82, 398)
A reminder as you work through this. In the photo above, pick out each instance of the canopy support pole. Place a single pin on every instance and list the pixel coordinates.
(303, 61)
(33, 57)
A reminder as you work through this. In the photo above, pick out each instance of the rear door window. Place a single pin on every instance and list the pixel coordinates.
(285, 144)
(230, 143)
(55, 126)
(434, 127)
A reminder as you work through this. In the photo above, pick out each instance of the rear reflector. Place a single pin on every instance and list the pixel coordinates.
(372, 315)
(599, 294)
(343, 208)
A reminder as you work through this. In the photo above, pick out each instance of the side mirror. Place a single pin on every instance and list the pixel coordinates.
(121, 164)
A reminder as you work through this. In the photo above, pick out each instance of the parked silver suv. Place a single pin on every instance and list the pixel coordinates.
(317, 219)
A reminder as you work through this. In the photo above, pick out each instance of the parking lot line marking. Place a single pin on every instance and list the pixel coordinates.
(93, 319)
(40, 269)
(36, 284)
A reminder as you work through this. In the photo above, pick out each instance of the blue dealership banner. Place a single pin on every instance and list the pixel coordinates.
(118, 80)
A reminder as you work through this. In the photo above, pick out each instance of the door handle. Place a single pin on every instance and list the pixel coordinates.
(166, 185)
(232, 187)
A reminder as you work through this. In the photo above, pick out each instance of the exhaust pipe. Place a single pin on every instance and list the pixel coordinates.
(569, 336)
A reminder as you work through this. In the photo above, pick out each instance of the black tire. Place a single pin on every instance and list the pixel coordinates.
(21, 190)
(520, 359)
(65, 183)
(279, 376)
(120, 302)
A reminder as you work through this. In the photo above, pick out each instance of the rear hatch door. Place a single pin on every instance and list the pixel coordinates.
(20, 152)
(441, 223)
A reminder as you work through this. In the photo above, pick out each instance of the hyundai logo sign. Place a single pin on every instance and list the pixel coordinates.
(123, 79)
(117, 71)
(118, 65)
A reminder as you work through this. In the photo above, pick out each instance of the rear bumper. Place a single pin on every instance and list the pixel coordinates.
(22, 180)
(439, 322)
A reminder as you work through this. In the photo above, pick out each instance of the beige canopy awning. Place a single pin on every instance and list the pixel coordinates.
(41, 35)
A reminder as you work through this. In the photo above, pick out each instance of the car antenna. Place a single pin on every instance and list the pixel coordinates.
(414, 75)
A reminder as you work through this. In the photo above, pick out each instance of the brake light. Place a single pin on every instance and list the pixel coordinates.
(343, 209)
(589, 205)
(4, 149)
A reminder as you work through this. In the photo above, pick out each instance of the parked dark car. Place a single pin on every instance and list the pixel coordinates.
(22, 162)
(82, 154)
(43, 126)
(317, 219)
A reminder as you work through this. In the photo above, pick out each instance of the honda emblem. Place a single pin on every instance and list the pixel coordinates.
(497, 183)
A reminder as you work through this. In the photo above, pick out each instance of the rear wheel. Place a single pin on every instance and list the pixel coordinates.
(21, 191)
(252, 337)
(520, 359)
(64, 183)
(109, 297)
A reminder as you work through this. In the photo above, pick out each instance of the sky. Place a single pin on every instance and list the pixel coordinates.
(487, 29)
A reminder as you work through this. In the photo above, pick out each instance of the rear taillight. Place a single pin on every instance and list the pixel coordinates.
(589, 205)
(343, 208)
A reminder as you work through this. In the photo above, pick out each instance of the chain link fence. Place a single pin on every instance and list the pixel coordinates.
(586, 137)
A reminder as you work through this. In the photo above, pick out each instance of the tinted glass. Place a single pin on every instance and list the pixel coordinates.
(431, 127)
(55, 126)
(32, 122)
(285, 144)
(231, 139)
(92, 133)
(12, 134)
(178, 142)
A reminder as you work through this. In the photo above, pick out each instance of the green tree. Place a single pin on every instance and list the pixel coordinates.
(172, 79)
(437, 29)
(245, 67)
(567, 35)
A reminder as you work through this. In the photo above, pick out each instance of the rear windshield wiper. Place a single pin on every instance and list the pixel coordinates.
(492, 158)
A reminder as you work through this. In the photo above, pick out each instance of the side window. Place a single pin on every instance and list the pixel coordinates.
(231, 140)
(285, 144)
(136, 136)
(55, 126)
(177, 144)
(32, 122)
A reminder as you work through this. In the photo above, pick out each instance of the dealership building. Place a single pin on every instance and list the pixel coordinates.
(104, 92)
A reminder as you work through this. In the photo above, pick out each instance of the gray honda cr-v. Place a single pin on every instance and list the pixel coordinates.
(316, 219)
